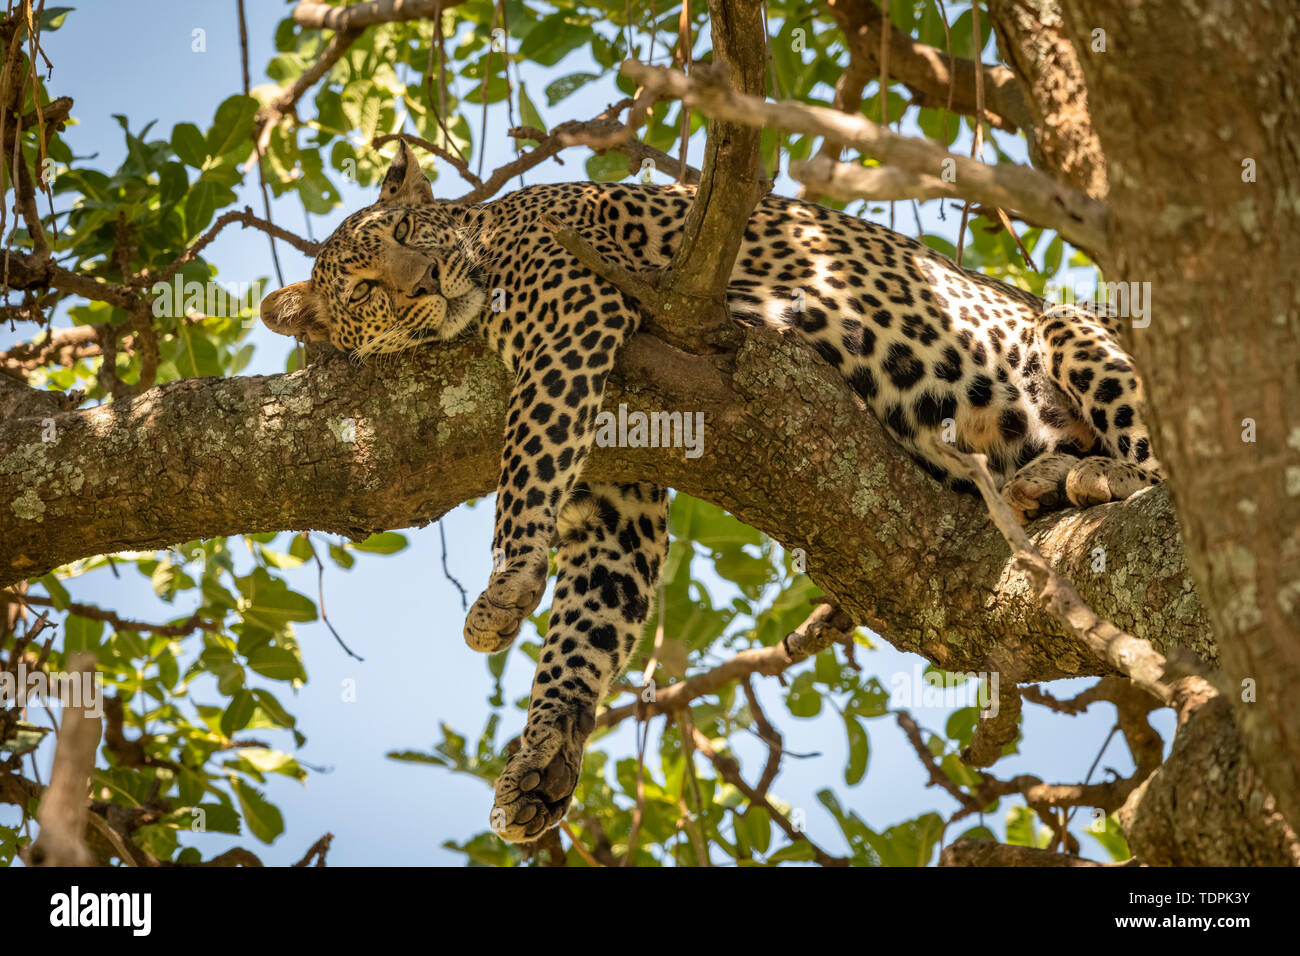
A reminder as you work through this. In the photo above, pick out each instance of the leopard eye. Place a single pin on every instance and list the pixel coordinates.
(360, 292)
(403, 229)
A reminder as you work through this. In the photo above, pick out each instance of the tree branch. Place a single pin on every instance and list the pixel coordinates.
(1126, 653)
(988, 853)
(729, 770)
(931, 74)
(824, 627)
(358, 16)
(62, 814)
(694, 308)
(1039, 199)
(270, 458)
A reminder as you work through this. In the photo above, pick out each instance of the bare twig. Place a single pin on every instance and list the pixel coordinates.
(823, 627)
(1126, 653)
(729, 770)
(317, 851)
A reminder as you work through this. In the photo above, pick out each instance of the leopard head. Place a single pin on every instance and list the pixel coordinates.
(399, 272)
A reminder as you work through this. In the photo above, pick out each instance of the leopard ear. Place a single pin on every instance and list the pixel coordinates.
(294, 311)
(405, 183)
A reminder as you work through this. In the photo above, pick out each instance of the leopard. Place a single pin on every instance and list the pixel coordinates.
(1049, 396)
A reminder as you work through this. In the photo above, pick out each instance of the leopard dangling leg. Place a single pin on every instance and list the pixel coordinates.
(550, 428)
(613, 540)
(549, 431)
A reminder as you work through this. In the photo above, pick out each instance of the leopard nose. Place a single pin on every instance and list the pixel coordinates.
(428, 283)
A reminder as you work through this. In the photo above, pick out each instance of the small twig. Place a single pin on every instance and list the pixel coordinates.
(464, 595)
(729, 770)
(247, 219)
(1126, 653)
(318, 851)
(577, 845)
(320, 591)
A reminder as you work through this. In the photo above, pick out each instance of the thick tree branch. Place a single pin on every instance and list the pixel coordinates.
(896, 552)
(694, 308)
(1207, 805)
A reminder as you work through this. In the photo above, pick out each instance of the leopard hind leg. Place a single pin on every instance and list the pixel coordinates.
(612, 544)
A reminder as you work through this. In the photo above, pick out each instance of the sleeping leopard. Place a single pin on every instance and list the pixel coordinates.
(1050, 397)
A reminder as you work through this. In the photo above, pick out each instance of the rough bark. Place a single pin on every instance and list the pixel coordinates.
(1185, 94)
(1206, 806)
(1031, 36)
(787, 449)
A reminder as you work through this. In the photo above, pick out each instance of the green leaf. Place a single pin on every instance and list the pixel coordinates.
(528, 113)
(59, 596)
(271, 706)
(238, 714)
(908, 844)
(800, 851)
(173, 184)
(188, 143)
(1107, 832)
(269, 603)
(803, 699)
(264, 819)
(385, 542)
(859, 750)
(1023, 829)
(82, 634)
(566, 86)
(52, 18)
(214, 818)
(233, 125)
(276, 663)
(610, 167)
(200, 204)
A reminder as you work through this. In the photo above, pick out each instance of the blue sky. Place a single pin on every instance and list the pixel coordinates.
(399, 613)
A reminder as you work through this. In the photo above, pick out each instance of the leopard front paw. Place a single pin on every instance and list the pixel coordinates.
(534, 790)
(1039, 487)
(496, 617)
(1096, 481)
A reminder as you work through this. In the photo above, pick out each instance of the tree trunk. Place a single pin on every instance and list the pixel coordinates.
(1198, 111)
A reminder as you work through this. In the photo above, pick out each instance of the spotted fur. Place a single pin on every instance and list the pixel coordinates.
(1049, 396)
